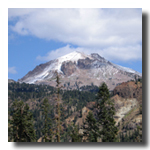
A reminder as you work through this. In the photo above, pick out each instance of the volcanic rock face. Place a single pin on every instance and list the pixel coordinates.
(84, 63)
(78, 67)
(129, 90)
(68, 68)
(123, 106)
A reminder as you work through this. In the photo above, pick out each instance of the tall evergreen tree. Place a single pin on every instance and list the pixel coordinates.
(58, 106)
(22, 123)
(108, 130)
(91, 128)
(47, 131)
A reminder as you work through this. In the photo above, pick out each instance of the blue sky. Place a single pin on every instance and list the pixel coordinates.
(39, 35)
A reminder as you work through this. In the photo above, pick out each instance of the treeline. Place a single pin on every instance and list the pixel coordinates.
(23, 91)
(36, 93)
(21, 127)
(29, 93)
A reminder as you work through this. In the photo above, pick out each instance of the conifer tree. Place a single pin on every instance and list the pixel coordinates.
(58, 106)
(91, 128)
(22, 123)
(108, 130)
(47, 131)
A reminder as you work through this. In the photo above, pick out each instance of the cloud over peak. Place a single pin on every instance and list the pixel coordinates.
(111, 53)
(102, 30)
(83, 27)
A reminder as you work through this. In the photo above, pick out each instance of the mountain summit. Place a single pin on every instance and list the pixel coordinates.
(77, 69)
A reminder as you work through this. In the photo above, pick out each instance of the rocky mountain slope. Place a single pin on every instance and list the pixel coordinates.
(77, 69)
(128, 110)
(129, 90)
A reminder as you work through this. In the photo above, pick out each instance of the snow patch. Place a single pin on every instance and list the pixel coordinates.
(127, 69)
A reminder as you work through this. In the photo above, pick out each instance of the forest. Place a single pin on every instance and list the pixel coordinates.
(42, 113)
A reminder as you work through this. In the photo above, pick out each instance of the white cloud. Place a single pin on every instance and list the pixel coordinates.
(19, 12)
(122, 53)
(111, 53)
(92, 29)
(59, 52)
(12, 70)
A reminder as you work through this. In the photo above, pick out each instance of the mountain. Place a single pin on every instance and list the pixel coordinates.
(77, 69)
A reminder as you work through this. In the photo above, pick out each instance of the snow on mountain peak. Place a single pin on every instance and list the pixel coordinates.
(127, 69)
(56, 65)
(99, 65)
(74, 57)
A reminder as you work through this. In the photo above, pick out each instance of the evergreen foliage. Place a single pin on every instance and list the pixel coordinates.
(35, 94)
(90, 127)
(131, 136)
(25, 127)
(108, 130)
(77, 98)
(10, 129)
(58, 107)
(75, 136)
(47, 130)
(22, 123)
(23, 91)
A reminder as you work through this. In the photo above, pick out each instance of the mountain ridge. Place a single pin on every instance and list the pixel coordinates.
(75, 66)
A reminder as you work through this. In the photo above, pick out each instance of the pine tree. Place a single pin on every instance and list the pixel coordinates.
(108, 130)
(47, 131)
(22, 123)
(90, 128)
(58, 107)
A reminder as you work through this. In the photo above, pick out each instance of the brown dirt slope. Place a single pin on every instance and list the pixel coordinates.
(129, 90)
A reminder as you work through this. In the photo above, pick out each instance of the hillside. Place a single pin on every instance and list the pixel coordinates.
(34, 95)
(130, 90)
(76, 104)
(128, 111)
